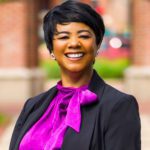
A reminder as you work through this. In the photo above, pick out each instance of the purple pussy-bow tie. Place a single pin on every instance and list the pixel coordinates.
(71, 104)
(63, 112)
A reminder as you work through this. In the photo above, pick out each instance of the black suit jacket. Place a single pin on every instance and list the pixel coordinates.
(112, 123)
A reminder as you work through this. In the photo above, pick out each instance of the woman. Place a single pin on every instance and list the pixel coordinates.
(81, 112)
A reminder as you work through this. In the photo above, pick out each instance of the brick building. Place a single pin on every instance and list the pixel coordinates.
(20, 77)
(137, 77)
(19, 43)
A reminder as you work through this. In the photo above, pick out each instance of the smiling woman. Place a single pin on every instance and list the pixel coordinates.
(81, 112)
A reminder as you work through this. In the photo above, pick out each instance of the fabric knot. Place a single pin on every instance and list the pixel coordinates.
(63, 107)
(71, 104)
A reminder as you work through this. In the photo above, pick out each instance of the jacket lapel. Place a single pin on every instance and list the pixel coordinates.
(36, 114)
(82, 140)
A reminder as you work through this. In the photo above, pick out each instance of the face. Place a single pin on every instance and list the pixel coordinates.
(74, 47)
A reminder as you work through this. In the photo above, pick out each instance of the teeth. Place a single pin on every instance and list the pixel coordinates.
(75, 55)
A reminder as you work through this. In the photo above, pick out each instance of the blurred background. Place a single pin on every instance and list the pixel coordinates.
(26, 68)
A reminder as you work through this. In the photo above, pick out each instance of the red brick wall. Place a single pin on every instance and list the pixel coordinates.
(141, 32)
(12, 34)
(32, 33)
(18, 34)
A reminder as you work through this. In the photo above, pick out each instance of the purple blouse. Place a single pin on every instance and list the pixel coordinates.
(63, 112)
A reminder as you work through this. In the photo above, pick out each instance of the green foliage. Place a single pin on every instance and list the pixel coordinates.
(107, 68)
(51, 68)
(2, 119)
(1, 1)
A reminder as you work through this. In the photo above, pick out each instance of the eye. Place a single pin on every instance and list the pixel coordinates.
(63, 37)
(85, 36)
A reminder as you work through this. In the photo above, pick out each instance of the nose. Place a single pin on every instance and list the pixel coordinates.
(74, 43)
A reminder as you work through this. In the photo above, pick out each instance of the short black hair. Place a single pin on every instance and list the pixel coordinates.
(72, 11)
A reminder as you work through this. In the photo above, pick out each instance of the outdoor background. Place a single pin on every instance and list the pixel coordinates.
(26, 68)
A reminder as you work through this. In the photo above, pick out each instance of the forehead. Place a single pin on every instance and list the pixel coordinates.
(73, 27)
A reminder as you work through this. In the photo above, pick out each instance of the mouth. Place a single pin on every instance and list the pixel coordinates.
(74, 55)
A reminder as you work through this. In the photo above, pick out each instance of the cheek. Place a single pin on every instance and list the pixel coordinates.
(58, 45)
(92, 48)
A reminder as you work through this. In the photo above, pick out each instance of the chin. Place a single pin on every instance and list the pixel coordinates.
(78, 69)
(75, 70)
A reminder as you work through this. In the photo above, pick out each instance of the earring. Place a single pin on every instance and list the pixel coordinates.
(53, 56)
(98, 51)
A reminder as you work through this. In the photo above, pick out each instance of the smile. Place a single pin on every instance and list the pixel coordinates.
(75, 55)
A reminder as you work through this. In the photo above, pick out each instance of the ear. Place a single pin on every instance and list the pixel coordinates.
(98, 50)
(52, 56)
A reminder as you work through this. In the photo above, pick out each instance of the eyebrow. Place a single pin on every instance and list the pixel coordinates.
(62, 32)
(66, 32)
(84, 31)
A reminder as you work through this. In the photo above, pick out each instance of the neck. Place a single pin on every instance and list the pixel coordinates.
(76, 79)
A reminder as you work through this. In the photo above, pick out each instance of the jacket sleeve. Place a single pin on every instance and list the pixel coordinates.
(20, 121)
(124, 128)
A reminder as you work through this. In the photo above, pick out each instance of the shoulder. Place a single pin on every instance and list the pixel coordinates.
(34, 103)
(39, 99)
(110, 97)
(115, 102)
(114, 96)
(106, 93)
